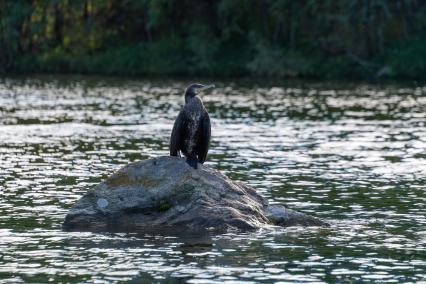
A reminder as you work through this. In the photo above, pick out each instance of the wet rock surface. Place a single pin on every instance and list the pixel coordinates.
(165, 193)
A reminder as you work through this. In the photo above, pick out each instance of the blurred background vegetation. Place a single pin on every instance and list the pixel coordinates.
(270, 38)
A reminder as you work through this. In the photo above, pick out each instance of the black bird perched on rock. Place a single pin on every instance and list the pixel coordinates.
(191, 131)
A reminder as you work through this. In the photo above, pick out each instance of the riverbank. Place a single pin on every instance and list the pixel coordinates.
(397, 63)
(271, 39)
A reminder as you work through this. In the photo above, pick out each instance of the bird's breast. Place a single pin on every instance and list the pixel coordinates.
(192, 131)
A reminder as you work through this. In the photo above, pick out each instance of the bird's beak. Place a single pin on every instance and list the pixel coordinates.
(202, 89)
(207, 87)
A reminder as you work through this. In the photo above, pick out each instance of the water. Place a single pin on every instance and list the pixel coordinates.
(354, 154)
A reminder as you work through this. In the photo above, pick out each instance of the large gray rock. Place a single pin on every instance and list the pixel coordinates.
(166, 194)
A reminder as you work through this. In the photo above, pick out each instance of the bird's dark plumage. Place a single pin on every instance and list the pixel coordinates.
(191, 131)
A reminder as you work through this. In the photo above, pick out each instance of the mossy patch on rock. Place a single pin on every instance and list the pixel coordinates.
(119, 179)
(164, 207)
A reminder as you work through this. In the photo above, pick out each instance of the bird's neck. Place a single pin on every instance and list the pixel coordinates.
(195, 99)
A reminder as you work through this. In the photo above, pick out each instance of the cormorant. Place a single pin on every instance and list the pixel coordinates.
(191, 131)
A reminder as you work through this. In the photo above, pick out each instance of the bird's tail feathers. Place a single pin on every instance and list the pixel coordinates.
(192, 162)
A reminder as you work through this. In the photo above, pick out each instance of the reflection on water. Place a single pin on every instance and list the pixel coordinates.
(354, 154)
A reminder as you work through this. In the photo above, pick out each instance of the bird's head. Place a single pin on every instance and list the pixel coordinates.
(191, 90)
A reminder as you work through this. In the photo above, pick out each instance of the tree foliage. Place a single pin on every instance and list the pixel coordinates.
(318, 38)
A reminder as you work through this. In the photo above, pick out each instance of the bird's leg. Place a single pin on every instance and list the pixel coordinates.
(192, 162)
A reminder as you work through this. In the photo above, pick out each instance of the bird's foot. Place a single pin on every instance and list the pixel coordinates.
(192, 162)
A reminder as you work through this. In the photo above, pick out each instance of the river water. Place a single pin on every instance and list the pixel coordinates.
(353, 154)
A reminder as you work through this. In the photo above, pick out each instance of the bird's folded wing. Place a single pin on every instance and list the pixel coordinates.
(204, 140)
(177, 134)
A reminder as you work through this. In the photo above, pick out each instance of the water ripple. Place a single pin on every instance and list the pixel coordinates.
(352, 153)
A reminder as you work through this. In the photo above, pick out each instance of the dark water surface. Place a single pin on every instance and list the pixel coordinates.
(354, 154)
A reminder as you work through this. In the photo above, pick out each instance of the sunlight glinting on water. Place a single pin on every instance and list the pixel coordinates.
(354, 154)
